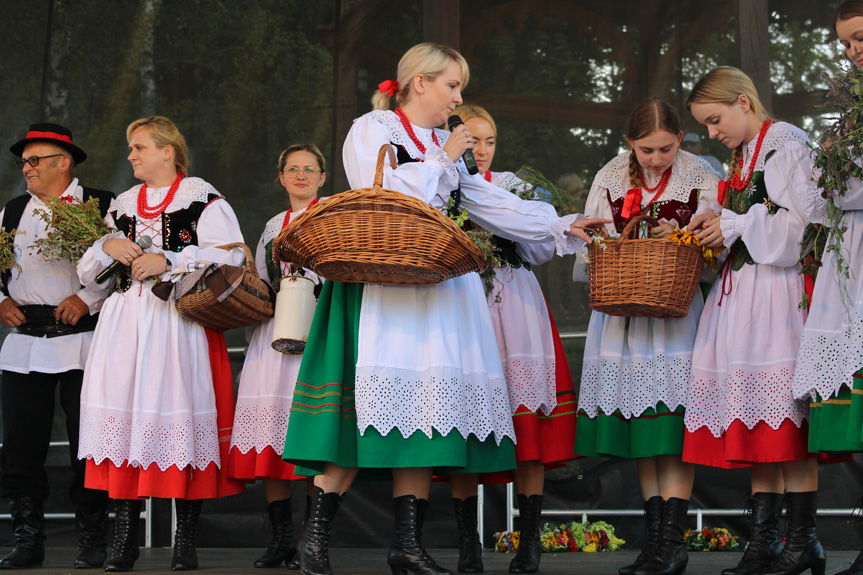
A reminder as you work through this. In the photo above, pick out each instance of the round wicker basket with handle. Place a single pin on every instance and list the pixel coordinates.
(643, 277)
(378, 236)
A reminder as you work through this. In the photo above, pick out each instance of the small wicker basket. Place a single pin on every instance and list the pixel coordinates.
(643, 277)
(378, 236)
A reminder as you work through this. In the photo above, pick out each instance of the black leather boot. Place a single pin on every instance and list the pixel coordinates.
(28, 526)
(282, 547)
(670, 557)
(652, 517)
(185, 555)
(764, 541)
(407, 553)
(855, 568)
(125, 550)
(469, 546)
(315, 552)
(92, 525)
(802, 549)
(529, 552)
(294, 564)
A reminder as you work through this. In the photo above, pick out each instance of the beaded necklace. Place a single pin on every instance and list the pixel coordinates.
(151, 213)
(736, 183)
(410, 130)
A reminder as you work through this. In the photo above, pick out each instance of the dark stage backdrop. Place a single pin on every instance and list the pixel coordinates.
(243, 80)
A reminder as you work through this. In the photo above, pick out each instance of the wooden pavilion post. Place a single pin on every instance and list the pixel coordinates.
(753, 40)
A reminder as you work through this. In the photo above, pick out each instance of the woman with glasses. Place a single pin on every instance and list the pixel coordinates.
(409, 378)
(268, 377)
(157, 399)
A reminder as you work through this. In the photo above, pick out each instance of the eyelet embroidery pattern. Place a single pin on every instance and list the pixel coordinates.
(688, 173)
(828, 360)
(531, 383)
(191, 190)
(258, 426)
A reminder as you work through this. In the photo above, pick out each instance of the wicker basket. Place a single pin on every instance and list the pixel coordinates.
(643, 278)
(378, 236)
(250, 302)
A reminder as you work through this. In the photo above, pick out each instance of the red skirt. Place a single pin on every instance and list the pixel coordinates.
(742, 447)
(264, 465)
(127, 482)
(548, 439)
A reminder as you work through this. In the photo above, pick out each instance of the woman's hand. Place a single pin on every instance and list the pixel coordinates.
(585, 229)
(662, 230)
(711, 234)
(149, 265)
(700, 221)
(458, 142)
(122, 250)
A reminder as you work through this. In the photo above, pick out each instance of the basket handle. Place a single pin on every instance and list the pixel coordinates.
(385, 150)
(630, 227)
(250, 259)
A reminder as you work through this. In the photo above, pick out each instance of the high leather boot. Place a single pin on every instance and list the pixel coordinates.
(28, 526)
(670, 557)
(652, 518)
(314, 553)
(407, 553)
(92, 525)
(294, 564)
(529, 552)
(282, 546)
(855, 568)
(764, 541)
(802, 549)
(124, 551)
(469, 546)
(185, 555)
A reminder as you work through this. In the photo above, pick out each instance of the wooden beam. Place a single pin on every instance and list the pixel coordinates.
(753, 40)
(555, 110)
(441, 22)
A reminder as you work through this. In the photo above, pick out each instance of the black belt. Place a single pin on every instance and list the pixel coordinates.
(41, 322)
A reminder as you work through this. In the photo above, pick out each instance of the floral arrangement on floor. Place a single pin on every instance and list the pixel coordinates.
(575, 536)
(7, 251)
(716, 539)
(76, 226)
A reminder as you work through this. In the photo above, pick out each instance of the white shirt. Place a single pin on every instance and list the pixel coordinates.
(45, 283)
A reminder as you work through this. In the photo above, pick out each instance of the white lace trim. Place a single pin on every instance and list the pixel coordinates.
(747, 393)
(828, 359)
(732, 226)
(99, 253)
(440, 399)
(273, 227)
(565, 244)
(777, 134)
(688, 173)
(146, 438)
(398, 135)
(509, 182)
(259, 426)
(532, 383)
(191, 190)
(609, 384)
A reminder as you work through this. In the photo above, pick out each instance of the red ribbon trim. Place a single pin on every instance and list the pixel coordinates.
(389, 87)
(632, 203)
(723, 185)
(51, 135)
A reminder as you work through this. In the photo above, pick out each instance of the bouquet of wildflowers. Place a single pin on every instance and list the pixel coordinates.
(76, 226)
(7, 251)
(706, 539)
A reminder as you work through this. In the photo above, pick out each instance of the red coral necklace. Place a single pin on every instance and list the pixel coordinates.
(410, 130)
(151, 213)
(736, 182)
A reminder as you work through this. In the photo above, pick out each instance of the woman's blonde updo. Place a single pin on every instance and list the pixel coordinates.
(164, 133)
(724, 85)
(428, 59)
(469, 111)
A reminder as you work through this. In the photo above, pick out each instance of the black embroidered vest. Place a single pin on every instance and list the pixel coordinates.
(741, 201)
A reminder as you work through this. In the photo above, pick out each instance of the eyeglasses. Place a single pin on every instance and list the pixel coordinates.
(34, 160)
(294, 171)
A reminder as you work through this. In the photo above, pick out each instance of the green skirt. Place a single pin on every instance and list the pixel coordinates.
(836, 423)
(655, 432)
(323, 424)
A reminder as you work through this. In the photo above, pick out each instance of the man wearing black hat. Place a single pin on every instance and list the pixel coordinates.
(52, 318)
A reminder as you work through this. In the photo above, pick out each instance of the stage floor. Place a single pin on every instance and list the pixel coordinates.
(373, 561)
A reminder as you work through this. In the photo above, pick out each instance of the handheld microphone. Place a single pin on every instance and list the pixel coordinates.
(468, 158)
(143, 242)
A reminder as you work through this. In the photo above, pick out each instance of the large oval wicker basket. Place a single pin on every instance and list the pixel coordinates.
(643, 277)
(378, 236)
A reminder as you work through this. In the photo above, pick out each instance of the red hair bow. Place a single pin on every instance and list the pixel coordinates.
(389, 87)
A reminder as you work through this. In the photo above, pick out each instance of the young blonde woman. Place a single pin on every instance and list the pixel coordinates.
(741, 409)
(157, 400)
(541, 394)
(409, 378)
(636, 369)
(269, 376)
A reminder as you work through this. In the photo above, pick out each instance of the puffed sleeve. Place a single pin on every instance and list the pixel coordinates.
(708, 196)
(775, 239)
(95, 260)
(434, 177)
(217, 226)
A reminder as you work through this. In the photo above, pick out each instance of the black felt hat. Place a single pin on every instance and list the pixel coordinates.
(53, 134)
